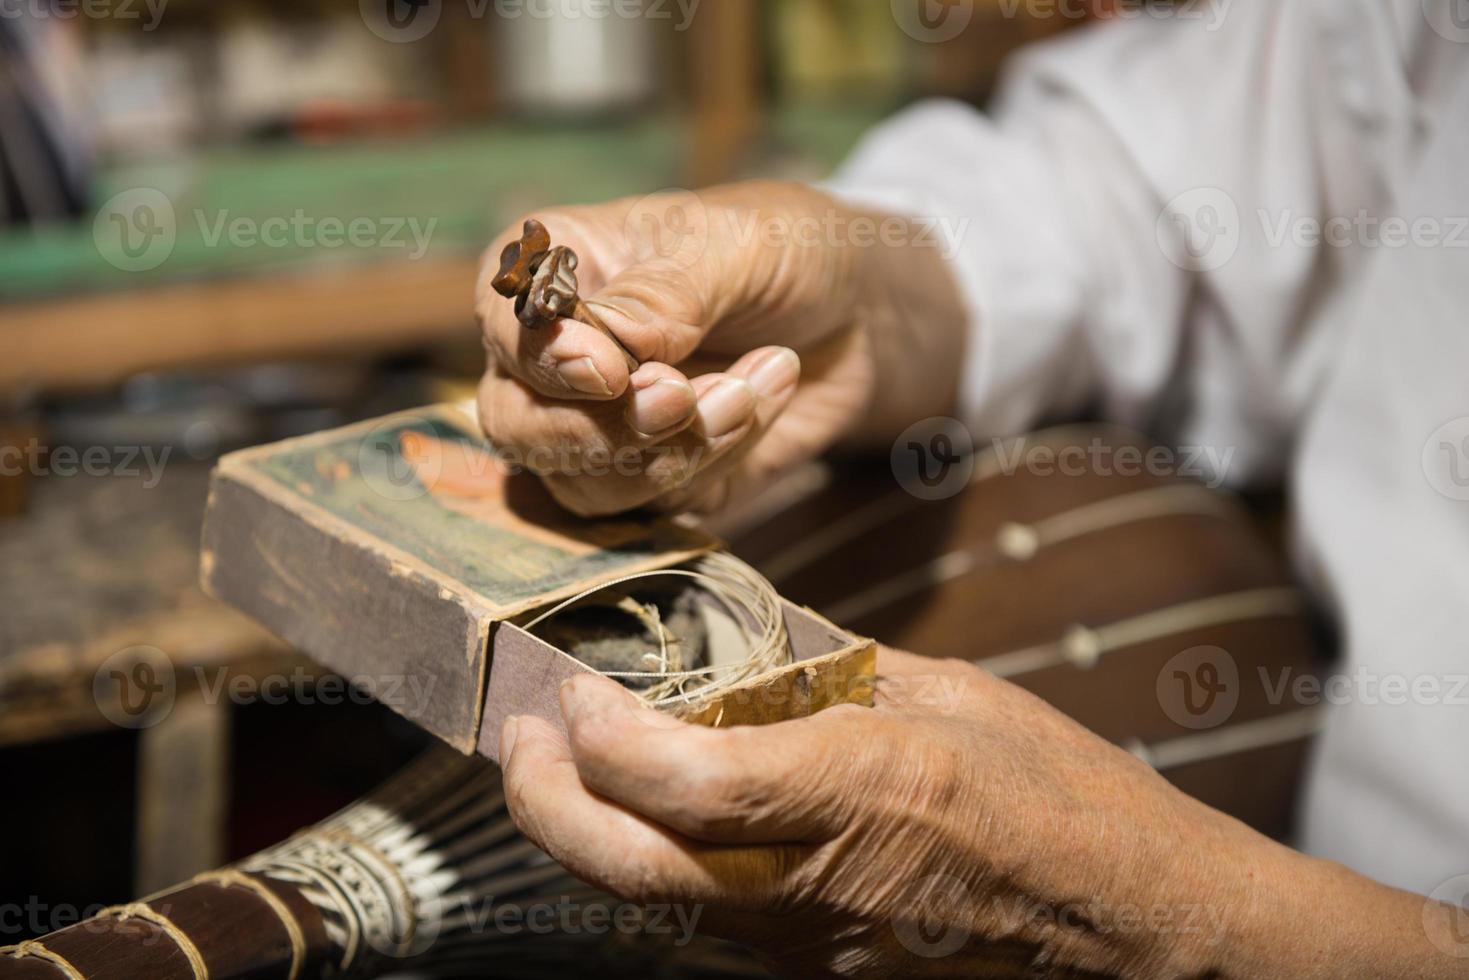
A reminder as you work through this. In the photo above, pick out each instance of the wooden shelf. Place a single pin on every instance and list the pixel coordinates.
(103, 339)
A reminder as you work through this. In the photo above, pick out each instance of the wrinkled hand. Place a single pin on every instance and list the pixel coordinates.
(960, 828)
(760, 337)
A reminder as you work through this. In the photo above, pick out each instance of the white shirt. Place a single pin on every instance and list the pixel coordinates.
(1145, 221)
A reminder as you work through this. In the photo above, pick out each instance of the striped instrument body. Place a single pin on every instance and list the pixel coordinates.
(1140, 602)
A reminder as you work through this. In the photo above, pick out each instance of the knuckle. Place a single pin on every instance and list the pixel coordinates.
(586, 497)
(594, 743)
(500, 426)
(573, 432)
(550, 439)
(944, 780)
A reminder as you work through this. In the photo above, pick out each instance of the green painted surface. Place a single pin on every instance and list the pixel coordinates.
(457, 190)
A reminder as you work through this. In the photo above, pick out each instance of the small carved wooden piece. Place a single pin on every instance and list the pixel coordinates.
(553, 289)
(541, 279)
(519, 260)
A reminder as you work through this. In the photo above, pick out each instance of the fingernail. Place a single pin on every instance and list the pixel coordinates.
(568, 699)
(725, 407)
(659, 404)
(507, 739)
(582, 374)
(777, 372)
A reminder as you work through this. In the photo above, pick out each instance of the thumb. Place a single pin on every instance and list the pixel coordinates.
(660, 310)
(742, 785)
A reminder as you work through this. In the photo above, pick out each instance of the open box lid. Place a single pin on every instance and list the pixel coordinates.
(386, 550)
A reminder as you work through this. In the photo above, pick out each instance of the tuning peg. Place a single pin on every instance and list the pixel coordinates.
(519, 259)
(541, 279)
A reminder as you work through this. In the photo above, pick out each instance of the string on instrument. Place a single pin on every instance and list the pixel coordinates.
(743, 593)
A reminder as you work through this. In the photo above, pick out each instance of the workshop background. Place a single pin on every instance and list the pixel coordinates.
(228, 223)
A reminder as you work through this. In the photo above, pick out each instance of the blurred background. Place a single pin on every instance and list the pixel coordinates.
(189, 185)
(226, 223)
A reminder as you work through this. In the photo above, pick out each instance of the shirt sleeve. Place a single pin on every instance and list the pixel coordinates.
(1121, 223)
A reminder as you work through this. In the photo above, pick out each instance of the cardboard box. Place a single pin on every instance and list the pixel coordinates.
(397, 552)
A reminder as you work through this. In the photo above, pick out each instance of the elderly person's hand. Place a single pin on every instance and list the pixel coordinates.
(770, 320)
(960, 828)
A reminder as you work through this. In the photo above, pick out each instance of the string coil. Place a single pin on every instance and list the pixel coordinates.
(749, 599)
